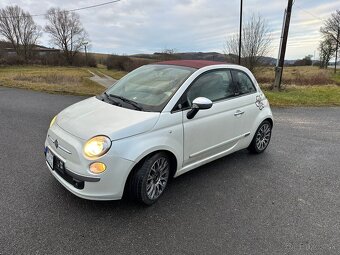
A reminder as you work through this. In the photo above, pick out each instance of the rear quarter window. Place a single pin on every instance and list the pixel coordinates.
(243, 83)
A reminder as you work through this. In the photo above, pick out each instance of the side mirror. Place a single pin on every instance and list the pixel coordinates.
(199, 103)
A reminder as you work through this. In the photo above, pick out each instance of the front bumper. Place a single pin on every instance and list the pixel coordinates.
(106, 186)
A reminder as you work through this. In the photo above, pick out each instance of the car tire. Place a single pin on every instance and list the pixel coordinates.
(150, 179)
(261, 138)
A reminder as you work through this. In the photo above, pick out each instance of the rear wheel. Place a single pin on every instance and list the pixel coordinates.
(150, 180)
(261, 138)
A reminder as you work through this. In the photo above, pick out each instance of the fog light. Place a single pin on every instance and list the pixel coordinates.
(97, 167)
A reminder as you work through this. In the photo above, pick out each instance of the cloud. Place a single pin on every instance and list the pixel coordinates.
(135, 26)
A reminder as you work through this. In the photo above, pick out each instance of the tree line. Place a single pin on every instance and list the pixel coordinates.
(64, 28)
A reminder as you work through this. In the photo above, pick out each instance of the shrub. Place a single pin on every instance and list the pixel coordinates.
(13, 60)
(91, 61)
(117, 62)
(124, 63)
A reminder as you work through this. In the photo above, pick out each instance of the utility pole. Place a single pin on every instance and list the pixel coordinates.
(240, 34)
(85, 44)
(336, 48)
(283, 46)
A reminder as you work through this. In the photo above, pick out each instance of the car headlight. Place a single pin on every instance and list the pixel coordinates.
(97, 146)
(53, 121)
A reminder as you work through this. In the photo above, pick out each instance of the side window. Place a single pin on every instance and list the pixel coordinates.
(243, 82)
(215, 85)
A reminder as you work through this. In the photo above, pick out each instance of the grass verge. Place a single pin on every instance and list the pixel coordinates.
(325, 95)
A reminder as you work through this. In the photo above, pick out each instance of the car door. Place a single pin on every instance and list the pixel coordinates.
(246, 96)
(211, 131)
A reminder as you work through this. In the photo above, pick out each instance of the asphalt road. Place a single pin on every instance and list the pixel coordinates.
(285, 201)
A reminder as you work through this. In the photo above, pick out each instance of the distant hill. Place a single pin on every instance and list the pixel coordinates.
(213, 56)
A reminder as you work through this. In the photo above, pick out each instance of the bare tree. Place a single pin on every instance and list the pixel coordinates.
(331, 31)
(332, 26)
(167, 54)
(326, 51)
(66, 32)
(19, 28)
(255, 45)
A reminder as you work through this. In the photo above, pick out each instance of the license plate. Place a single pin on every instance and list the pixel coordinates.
(49, 158)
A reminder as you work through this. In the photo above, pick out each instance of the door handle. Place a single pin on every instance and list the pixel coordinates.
(238, 113)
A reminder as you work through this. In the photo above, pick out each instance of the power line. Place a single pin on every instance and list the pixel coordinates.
(94, 6)
(308, 12)
(71, 10)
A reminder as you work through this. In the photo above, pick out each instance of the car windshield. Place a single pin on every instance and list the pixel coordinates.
(150, 86)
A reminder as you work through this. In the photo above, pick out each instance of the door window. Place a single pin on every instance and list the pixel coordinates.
(243, 82)
(215, 85)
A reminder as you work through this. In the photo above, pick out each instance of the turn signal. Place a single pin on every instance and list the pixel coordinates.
(97, 167)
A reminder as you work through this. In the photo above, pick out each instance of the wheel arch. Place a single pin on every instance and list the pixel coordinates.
(139, 163)
(270, 121)
(258, 123)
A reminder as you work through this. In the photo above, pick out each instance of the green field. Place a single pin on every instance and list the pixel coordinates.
(304, 86)
(325, 95)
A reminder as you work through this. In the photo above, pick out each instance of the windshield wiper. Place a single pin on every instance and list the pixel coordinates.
(114, 102)
(133, 103)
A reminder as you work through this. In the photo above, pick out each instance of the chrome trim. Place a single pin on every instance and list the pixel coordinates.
(59, 146)
(238, 112)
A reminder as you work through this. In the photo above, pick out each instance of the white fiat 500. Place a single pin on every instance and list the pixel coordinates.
(158, 122)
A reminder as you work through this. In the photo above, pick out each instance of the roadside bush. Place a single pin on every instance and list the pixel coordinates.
(124, 63)
(117, 62)
(134, 63)
(12, 60)
(80, 60)
(50, 59)
(3, 62)
(91, 61)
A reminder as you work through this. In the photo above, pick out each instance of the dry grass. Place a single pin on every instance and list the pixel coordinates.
(62, 80)
(112, 73)
(303, 86)
(301, 75)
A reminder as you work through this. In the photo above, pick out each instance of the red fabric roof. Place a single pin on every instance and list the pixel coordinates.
(190, 63)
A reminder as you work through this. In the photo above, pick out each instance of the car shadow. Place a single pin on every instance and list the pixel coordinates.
(189, 187)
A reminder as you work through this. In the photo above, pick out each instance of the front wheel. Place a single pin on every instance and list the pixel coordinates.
(150, 180)
(261, 138)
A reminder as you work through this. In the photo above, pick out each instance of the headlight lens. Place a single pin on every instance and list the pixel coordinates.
(97, 146)
(53, 121)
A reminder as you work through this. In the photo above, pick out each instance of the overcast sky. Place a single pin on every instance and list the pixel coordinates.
(147, 26)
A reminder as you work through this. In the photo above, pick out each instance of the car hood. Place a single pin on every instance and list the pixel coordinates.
(92, 117)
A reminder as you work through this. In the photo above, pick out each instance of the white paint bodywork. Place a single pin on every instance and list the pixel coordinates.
(211, 134)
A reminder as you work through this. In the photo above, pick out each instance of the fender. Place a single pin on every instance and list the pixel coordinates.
(164, 136)
(266, 113)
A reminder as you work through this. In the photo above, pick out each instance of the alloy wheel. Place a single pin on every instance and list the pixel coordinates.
(263, 136)
(157, 178)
